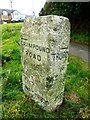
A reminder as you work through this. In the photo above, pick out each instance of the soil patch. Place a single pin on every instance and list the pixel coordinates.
(72, 97)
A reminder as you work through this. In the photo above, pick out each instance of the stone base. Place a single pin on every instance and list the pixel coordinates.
(47, 104)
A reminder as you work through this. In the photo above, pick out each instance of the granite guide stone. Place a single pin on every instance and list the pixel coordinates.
(44, 56)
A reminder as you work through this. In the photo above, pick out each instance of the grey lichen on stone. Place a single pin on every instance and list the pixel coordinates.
(44, 51)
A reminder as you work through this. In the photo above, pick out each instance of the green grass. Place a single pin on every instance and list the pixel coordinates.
(16, 104)
(80, 37)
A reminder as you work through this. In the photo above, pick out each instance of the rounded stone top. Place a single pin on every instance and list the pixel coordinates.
(43, 21)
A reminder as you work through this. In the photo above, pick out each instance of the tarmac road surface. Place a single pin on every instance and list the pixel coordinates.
(82, 51)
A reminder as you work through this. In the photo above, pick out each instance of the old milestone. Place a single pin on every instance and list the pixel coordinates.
(44, 55)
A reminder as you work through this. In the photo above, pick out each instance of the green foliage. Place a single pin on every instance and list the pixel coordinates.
(17, 105)
(68, 9)
(80, 37)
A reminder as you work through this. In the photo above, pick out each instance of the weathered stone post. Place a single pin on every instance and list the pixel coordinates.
(44, 49)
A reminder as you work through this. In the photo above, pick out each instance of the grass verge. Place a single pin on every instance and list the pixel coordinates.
(81, 38)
